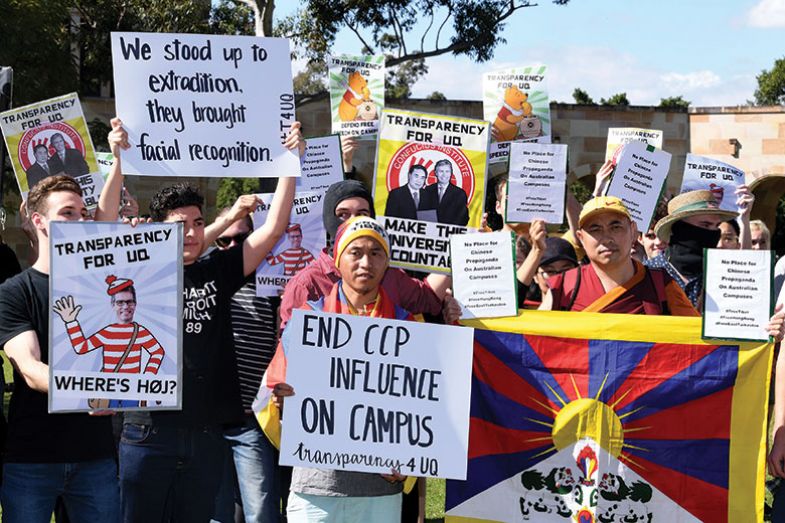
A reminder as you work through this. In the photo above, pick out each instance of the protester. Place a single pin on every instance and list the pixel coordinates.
(729, 235)
(170, 462)
(252, 459)
(612, 281)
(547, 257)
(760, 237)
(47, 455)
(342, 201)
(692, 224)
(361, 253)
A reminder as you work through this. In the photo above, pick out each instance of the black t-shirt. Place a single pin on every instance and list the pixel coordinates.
(211, 390)
(34, 435)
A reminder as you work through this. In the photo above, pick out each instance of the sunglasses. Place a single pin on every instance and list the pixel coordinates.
(226, 241)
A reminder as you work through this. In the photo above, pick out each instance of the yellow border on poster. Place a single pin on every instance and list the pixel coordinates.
(748, 425)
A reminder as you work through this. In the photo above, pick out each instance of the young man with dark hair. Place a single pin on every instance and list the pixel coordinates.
(49, 455)
(171, 462)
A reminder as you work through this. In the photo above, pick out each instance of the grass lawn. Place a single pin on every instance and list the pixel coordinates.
(434, 500)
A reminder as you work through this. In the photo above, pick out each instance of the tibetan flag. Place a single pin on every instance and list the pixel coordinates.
(583, 418)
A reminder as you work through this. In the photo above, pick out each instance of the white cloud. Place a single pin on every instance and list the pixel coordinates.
(600, 71)
(767, 13)
(690, 81)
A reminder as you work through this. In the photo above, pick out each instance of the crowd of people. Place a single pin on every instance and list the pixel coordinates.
(213, 458)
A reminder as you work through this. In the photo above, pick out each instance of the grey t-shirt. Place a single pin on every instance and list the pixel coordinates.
(318, 482)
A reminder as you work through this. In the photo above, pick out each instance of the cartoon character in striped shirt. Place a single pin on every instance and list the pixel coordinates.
(122, 342)
(295, 258)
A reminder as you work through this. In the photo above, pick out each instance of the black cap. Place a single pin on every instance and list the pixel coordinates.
(558, 249)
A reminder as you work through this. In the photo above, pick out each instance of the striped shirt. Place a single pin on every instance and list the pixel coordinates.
(254, 327)
(293, 259)
(114, 340)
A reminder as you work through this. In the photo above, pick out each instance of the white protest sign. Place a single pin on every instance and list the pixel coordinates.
(618, 136)
(115, 317)
(300, 245)
(321, 164)
(373, 395)
(420, 244)
(483, 274)
(720, 178)
(738, 289)
(204, 105)
(638, 180)
(537, 183)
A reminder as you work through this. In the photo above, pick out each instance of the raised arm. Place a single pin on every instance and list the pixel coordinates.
(744, 201)
(531, 263)
(244, 205)
(109, 202)
(25, 355)
(259, 244)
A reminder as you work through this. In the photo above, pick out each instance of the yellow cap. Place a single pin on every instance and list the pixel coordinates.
(602, 204)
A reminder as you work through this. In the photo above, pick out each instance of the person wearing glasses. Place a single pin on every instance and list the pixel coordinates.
(251, 458)
(295, 258)
(613, 281)
(122, 343)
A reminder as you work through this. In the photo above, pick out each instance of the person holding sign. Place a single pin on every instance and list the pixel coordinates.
(342, 201)
(49, 455)
(612, 281)
(170, 462)
(692, 224)
(361, 253)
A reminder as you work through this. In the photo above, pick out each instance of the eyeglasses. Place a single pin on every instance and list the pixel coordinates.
(226, 241)
(124, 303)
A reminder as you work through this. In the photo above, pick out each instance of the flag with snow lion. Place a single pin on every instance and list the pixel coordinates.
(611, 418)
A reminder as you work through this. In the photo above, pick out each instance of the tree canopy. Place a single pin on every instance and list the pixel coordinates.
(771, 85)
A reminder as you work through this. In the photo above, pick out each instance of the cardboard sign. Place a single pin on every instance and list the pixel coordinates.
(204, 105)
(618, 136)
(321, 164)
(430, 183)
(356, 93)
(720, 178)
(516, 103)
(738, 287)
(48, 138)
(638, 180)
(115, 320)
(299, 246)
(537, 183)
(372, 395)
(483, 274)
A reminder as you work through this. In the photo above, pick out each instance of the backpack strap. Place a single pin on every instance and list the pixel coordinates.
(127, 349)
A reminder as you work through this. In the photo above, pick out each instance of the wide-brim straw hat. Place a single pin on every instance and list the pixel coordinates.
(692, 203)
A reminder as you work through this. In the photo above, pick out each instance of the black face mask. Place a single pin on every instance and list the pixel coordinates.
(686, 247)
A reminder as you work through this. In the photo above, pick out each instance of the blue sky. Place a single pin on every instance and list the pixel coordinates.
(708, 51)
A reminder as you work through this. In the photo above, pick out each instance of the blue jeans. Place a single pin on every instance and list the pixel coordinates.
(89, 491)
(255, 472)
(169, 473)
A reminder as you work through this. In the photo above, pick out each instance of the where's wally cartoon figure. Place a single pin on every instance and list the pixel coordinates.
(122, 342)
